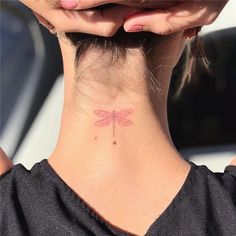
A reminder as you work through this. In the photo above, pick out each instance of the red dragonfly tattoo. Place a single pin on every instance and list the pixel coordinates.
(113, 117)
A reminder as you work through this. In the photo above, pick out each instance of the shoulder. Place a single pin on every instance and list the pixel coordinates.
(220, 180)
(22, 191)
(20, 182)
(211, 195)
(18, 177)
(210, 187)
(12, 183)
(5, 163)
(11, 180)
(17, 186)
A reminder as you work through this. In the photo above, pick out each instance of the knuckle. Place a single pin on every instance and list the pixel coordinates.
(109, 31)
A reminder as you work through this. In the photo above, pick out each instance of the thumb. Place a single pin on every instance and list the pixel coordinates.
(184, 16)
(157, 21)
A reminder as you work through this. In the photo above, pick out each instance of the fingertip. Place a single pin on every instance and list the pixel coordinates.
(69, 4)
(135, 28)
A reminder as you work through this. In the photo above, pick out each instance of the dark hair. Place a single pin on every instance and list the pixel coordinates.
(117, 46)
(122, 40)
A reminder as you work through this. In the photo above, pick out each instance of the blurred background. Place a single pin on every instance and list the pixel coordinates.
(202, 120)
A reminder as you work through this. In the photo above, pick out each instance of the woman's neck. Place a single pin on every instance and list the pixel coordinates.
(107, 131)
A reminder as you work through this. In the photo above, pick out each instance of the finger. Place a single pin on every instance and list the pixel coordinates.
(85, 4)
(103, 23)
(166, 21)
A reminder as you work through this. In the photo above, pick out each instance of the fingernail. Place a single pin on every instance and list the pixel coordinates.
(69, 4)
(135, 28)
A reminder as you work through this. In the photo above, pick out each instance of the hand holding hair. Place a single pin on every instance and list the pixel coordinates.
(56, 19)
(168, 17)
(186, 15)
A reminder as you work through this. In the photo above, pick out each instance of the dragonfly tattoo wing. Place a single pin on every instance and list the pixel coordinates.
(123, 121)
(102, 113)
(104, 122)
(112, 117)
(124, 113)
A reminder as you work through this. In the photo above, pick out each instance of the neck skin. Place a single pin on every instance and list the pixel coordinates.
(139, 149)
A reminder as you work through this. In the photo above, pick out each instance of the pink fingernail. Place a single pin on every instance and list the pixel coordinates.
(68, 4)
(135, 28)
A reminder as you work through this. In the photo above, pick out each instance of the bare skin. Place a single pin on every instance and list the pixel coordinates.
(136, 170)
(141, 172)
(233, 162)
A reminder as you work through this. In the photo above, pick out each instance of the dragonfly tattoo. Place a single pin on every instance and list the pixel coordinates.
(113, 117)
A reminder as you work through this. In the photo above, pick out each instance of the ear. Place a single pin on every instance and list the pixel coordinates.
(5, 163)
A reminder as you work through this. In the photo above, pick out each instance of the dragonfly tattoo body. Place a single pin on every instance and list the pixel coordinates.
(113, 117)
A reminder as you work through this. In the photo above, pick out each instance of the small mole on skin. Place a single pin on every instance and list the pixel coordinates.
(95, 138)
(114, 142)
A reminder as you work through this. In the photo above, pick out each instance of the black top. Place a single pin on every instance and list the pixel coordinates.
(38, 202)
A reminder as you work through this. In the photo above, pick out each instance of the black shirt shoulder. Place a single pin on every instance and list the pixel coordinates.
(18, 181)
(23, 195)
(37, 202)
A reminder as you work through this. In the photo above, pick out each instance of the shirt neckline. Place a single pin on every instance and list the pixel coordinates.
(179, 197)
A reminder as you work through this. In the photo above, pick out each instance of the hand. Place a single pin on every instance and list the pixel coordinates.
(5, 162)
(173, 17)
(104, 23)
(233, 162)
(186, 15)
